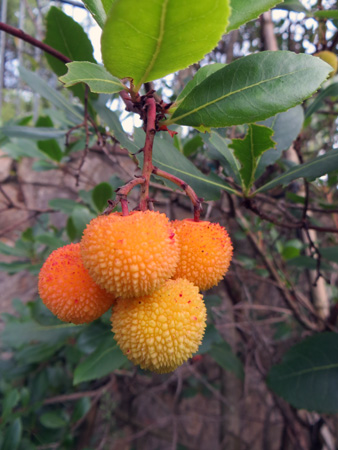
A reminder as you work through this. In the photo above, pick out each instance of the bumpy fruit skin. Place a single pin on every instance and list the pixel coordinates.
(330, 58)
(132, 255)
(205, 252)
(67, 289)
(161, 331)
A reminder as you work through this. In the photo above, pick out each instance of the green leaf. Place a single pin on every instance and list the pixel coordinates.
(315, 168)
(81, 216)
(52, 95)
(225, 357)
(326, 14)
(200, 76)
(16, 267)
(87, 198)
(330, 91)
(97, 77)
(278, 81)
(290, 252)
(168, 158)
(41, 166)
(19, 148)
(224, 154)
(211, 337)
(104, 360)
(18, 334)
(163, 37)
(286, 126)
(248, 151)
(92, 336)
(36, 133)
(330, 253)
(97, 10)
(101, 194)
(50, 147)
(53, 419)
(292, 5)
(7, 250)
(70, 39)
(112, 120)
(12, 436)
(65, 205)
(11, 399)
(292, 249)
(306, 262)
(82, 407)
(107, 5)
(242, 11)
(191, 146)
(51, 241)
(307, 376)
(71, 230)
(38, 352)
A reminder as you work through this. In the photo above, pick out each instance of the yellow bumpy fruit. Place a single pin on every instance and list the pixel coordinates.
(205, 252)
(132, 255)
(161, 331)
(329, 58)
(66, 288)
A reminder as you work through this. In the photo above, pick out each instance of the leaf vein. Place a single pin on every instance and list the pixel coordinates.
(229, 94)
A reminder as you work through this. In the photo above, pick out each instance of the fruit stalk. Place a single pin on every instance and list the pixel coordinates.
(148, 151)
(196, 201)
(149, 114)
(121, 194)
(129, 102)
(124, 191)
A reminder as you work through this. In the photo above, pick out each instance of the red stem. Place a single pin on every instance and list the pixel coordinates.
(124, 205)
(148, 151)
(26, 37)
(148, 167)
(121, 194)
(124, 191)
(128, 102)
(196, 201)
(52, 51)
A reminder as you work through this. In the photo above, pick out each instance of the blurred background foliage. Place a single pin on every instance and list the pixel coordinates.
(69, 387)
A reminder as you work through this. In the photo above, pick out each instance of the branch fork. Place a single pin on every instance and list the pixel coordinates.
(152, 112)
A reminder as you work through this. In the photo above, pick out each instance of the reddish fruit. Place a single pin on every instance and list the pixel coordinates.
(67, 289)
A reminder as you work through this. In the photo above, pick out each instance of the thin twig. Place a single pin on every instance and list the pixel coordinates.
(85, 124)
(211, 388)
(289, 298)
(9, 200)
(121, 194)
(148, 151)
(263, 308)
(296, 225)
(17, 224)
(31, 40)
(196, 201)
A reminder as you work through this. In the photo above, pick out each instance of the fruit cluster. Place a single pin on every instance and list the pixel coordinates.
(150, 270)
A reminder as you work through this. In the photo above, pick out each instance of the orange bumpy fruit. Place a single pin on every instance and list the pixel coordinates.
(132, 255)
(161, 331)
(67, 289)
(329, 58)
(206, 252)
